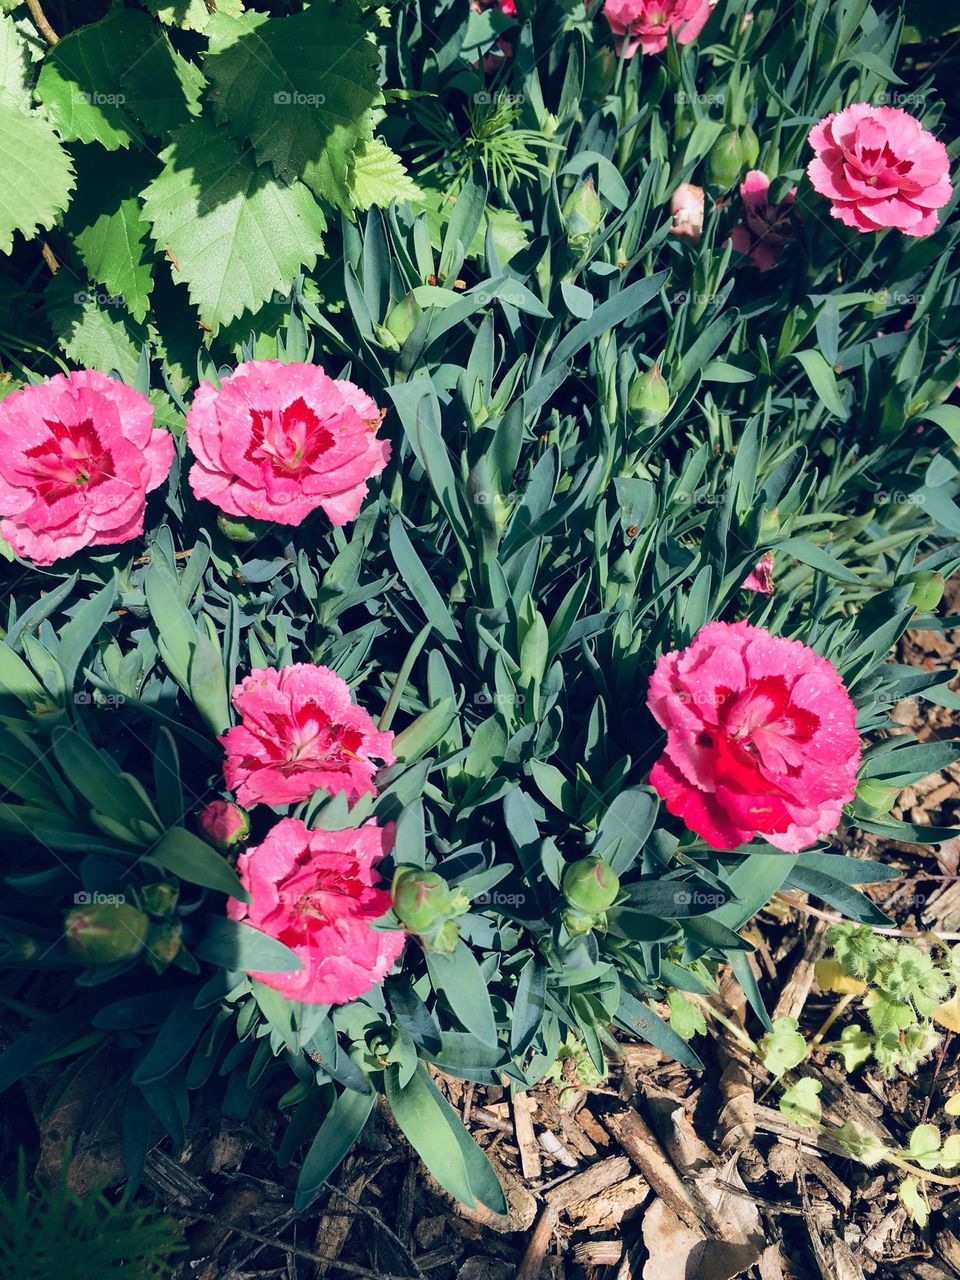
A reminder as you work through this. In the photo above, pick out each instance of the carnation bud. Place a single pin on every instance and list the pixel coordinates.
(876, 797)
(649, 398)
(582, 213)
(927, 590)
(160, 898)
(163, 944)
(590, 885)
(237, 529)
(225, 824)
(443, 941)
(105, 932)
(686, 209)
(402, 318)
(578, 922)
(728, 157)
(750, 144)
(421, 899)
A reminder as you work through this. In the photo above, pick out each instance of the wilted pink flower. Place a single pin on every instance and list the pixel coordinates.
(300, 730)
(766, 228)
(881, 168)
(646, 24)
(224, 824)
(761, 738)
(760, 577)
(78, 455)
(686, 206)
(275, 441)
(317, 892)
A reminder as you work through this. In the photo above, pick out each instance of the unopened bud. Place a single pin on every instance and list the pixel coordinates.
(225, 824)
(421, 899)
(590, 885)
(927, 590)
(876, 797)
(734, 151)
(649, 398)
(582, 213)
(105, 932)
(686, 209)
(402, 318)
(238, 529)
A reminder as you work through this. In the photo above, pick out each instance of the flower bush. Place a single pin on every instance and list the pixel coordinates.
(396, 448)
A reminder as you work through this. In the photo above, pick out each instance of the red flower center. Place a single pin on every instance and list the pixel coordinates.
(289, 439)
(72, 459)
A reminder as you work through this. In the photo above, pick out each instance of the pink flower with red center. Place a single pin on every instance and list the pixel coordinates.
(646, 24)
(760, 577)
(766, 227)
(78, 455)
(761, 738)
(275, 441)
(300, 731)
(880, 168)
(319, 892)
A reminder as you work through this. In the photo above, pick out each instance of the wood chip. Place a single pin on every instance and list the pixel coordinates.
(532, 1264)
(526, 1138)
(637, 1139)
(589, 1183)
(598, 1253)
(798, 986)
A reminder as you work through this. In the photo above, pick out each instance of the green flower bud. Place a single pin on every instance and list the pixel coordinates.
(649, 398)
(578, 922)
(750, 145)
(875, 797)
(402, 318)
(727, 159)
(238, 529)
(160, 898)
(443, 941)
(163, 944)
(421, 899)
(582, 213)
(590, 885)
(927, 590)
(105, 932)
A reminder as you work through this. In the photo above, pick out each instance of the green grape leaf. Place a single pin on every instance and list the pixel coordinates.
(800, 1102)
(103, 81)
(378, 176)
(233, 234)
(92, 328)
(192, 15)
(14, 66)
(36, 176)
(300, 88)
(912, 1200)
(783, 1047)
(107, 228)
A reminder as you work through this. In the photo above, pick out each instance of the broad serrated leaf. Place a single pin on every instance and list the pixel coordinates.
(300, 88)
(36, 176)
(92, 328)
(107, 228)
(378, 176)
(232, 233)
(14, 66)
(192, 15)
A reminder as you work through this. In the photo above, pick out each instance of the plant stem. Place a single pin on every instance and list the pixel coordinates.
(831, 1018)
(41, 23)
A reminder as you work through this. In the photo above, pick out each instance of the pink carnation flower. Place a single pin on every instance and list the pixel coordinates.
(275, 441)
(881, 168)
(300, 731)
(78, 455)
(761, 738)
(317, 892)
(766, 228)
(760, 577)
(646, 24)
